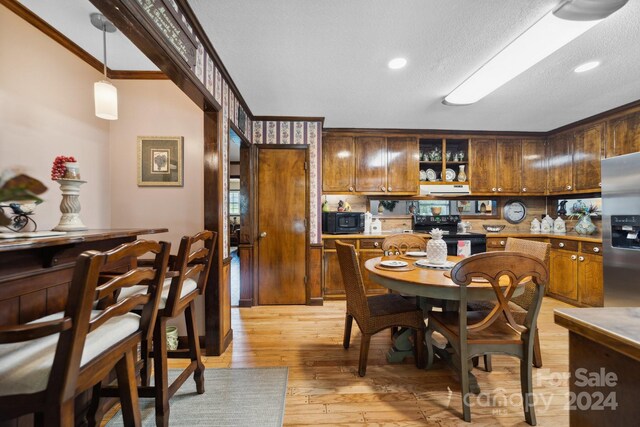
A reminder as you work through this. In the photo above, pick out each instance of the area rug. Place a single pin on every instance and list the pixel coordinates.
(232, 397)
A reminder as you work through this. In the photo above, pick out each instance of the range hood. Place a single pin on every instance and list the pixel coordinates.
(444, 190)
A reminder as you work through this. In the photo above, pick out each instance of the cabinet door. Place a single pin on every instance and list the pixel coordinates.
(563, 274)
(482, 166)
(371, 164)
(333, 284)
(587, 147)
(534, 166)
(590, 283)
(560, 163)
(370, 286)
(624, 135)
(508, 165)
(402, 165)
(337, 164)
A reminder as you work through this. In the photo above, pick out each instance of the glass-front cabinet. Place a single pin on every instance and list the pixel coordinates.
(444, 160)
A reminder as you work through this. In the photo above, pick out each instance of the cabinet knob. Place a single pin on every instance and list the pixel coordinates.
(376, 244)
(580, 258)
(501, 242)
(524, 189)
(263, 234)
(568, 187)
(494, 189)
(561, 244)
(573, 257)
(599, 184)
(389, 188)
(499, 188)
(596, 249)
(350, 188)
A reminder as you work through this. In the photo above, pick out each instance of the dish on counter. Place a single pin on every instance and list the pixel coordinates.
(493, 228)
(450, 175)
(417, 254)
(393, 263)
(432, 175)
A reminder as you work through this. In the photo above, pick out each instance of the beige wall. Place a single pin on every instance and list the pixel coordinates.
(45, 113)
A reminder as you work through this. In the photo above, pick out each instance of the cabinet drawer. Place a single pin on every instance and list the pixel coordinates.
(371, 243)
(496, 242)
(592, 248)
(568, 245)
(331, 243)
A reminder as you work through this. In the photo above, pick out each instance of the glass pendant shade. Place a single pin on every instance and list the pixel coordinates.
(106, 100)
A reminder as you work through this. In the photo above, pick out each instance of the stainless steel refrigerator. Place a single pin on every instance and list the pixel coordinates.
(620, 230)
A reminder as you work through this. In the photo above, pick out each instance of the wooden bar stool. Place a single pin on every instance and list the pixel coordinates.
(44, 364)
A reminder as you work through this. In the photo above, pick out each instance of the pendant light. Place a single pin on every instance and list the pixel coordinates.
(105, 94)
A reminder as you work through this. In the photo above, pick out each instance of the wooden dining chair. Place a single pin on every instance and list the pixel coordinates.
(185, 280)
(520, 305)
(44, 364)
(375, 313)
(474, 333)
(399, 244)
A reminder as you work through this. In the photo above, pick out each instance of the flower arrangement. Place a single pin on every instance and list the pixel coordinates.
(389, 205)
(580, 209)
(59, 168)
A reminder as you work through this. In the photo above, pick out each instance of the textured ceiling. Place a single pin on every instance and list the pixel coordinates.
(328, 58)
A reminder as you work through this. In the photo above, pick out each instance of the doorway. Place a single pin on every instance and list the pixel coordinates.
(282, 214)
(234, 212)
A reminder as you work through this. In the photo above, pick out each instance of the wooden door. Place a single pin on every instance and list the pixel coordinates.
(590, 281)
(371, 164)
(563, 274)
(624, 135)
(337, 164)
(508, 165)
(402, 165)
(560, 162)
(587, 148)
(534, 167)
(482, 166)
(282, 219)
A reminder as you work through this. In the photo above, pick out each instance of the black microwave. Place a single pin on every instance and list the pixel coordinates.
(342, 222)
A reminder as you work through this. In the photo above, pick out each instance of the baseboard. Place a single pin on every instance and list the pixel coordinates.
(245, 303)
(316, 301)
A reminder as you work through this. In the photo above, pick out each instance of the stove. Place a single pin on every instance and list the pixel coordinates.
(449, 225)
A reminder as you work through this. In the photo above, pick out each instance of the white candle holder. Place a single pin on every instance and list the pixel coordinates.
(70, 206)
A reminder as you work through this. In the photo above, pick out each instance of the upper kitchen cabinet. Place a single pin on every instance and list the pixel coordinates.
(587, 153)
(496, 166)
(444, 160)
(560, 161)
(624, 135)
(534, 166)
(402, 160)
(371, 165)
(338, 164)
(366, 165)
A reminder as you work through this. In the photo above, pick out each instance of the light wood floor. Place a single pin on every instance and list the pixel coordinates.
(324, 387)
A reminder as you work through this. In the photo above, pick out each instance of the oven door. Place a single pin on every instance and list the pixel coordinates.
(478, 244)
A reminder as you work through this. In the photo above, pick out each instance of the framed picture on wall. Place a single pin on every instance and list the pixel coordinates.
(160, 161)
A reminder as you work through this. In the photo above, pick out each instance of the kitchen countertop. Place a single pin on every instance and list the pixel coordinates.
(593, 238)
(614, 327)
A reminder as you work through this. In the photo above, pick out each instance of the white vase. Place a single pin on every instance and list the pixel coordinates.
(462, 177)
(436, 248)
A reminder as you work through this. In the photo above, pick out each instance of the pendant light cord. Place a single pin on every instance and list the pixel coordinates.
(104, 49)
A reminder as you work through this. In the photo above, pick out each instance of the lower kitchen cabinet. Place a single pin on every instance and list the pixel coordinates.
(563, 274)
(370, 286)
(590, 280)
(333, 285)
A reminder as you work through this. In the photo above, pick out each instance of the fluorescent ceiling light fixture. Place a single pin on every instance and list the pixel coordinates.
(397, 63)
(586, 66)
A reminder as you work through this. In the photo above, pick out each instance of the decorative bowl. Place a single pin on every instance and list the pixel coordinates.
(493, 228)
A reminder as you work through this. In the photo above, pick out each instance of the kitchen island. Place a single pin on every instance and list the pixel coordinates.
(604, 363)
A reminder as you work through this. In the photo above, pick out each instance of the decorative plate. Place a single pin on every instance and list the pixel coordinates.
(425, 263)
(423, 175)
(393, 263)
(450, 175)
(416, 254)
(432, 175)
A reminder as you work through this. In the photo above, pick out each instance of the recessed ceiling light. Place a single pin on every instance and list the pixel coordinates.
(587, 66)
(397, 63)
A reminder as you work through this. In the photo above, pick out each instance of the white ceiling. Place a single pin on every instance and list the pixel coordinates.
(328, 58)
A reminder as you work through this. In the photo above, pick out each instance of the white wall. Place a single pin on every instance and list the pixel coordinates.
(46, 110)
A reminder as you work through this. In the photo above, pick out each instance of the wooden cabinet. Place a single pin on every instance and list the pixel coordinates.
(508, 166)
(333, 284)
(332, 279)
(337, 164)
(534, 167)
(370, 286)
(587, 149)
(371, 165)
(402, 165)
(623, 135)
(590, 281)
(576, 275)
(560, 160)
(482, 165)
(496, 243)
(563, 278)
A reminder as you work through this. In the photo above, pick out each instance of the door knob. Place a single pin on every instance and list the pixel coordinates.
(263, 234)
